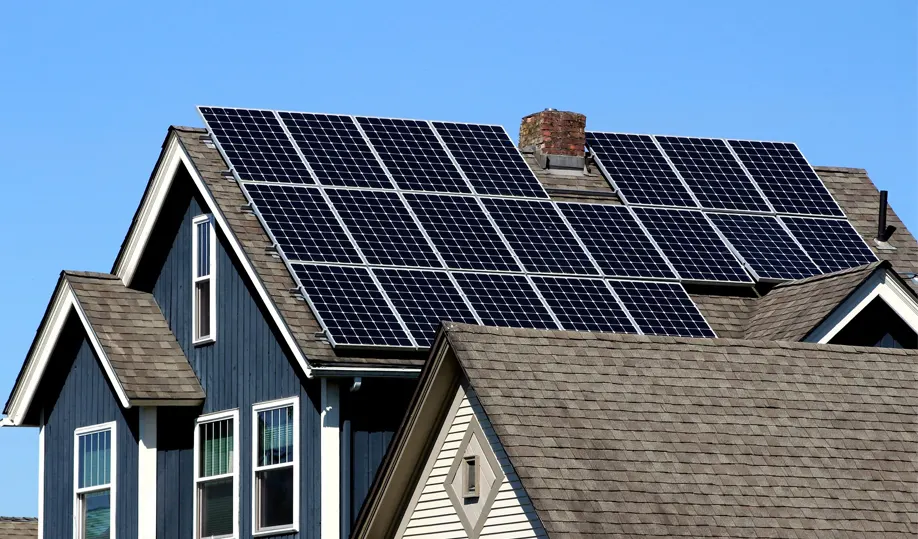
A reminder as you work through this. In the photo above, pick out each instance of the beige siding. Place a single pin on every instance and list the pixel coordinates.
(432, 515)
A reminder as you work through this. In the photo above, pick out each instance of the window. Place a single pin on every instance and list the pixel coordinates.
(94, 485)
(216, 466)
(203, 264)
(470, 477)
(275, 465)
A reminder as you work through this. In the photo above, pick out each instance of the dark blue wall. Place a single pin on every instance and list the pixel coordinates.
(247, 364)
(76, 394)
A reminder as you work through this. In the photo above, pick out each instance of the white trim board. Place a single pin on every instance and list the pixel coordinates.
(126, 266)
(37, 361)
(881, 284)
(330, 454)
(146, 473)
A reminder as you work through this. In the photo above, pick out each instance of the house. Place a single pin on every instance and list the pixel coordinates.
(557, 434)
(242, 369)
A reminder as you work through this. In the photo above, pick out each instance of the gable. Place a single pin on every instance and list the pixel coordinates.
(437, 507)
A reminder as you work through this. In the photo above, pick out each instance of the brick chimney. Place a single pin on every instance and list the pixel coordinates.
(554, 132)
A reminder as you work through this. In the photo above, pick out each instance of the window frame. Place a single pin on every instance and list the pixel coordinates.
(473, 462)
(111, 487)
(196, 507)
(211, 279)
(261, 407)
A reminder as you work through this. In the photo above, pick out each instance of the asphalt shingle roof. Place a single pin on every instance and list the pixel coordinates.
(130, 326)
(635, 436)
(18, 527)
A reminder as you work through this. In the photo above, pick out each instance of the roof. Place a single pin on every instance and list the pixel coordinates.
(636, 436)
(16, 527)
(136, 338)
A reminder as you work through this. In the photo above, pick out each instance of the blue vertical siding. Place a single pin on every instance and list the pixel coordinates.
(81, 397)
(247, 364)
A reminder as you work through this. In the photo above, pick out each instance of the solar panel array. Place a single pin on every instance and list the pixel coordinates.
(391, 225)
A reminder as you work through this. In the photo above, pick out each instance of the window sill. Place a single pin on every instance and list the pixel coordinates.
(275, 531)
(204, 341)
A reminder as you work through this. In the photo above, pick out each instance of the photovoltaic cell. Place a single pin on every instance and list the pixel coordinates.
(786, 178)
(302, 222)
(256, 145)
(423, 299)
(351, 305)
(335, 150)
(460, 230)
(713, 173)
(765, 246)
(832, 243)
(614, 238)
(383, 228)
(639, 169)
(413, 155)
(538, 236)
(692, 245)
(490, 160)
(505, 300)
(584, 304)
(662, 309)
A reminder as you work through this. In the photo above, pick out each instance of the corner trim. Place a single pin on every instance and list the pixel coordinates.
(330, 454)
(146, 472)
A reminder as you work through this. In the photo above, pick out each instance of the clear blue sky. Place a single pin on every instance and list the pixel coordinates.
(88, 93)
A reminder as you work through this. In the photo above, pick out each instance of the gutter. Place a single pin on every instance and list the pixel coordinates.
(366, 372)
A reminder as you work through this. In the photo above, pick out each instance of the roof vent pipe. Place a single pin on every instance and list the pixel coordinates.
(884, 232)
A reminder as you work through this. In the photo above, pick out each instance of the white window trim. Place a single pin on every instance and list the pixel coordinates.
(112, 485)
(202, 420)
(259, 407)
(211, 278)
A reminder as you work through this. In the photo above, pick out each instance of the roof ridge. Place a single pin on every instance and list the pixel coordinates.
(832, 275)
(18, 519)
(90, 274)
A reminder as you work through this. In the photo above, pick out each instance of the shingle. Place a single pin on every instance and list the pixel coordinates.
(18, 527)
(636, 436)
(143, 351)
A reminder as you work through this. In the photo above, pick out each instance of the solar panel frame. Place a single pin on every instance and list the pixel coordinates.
(639, 170)
(367, 296)
(336, 150)
(285, 164)
(847, 249)
(770, 252)
(791, 187)
(584, 304)
(322, 223)
(492, 310)
(636, 255)
(662, 308)
(710, 260)
(410, 292)
(508, 175)
(713, 173)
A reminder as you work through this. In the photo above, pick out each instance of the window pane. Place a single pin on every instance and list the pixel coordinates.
(94, 452)
(97, 515)
(275, 497)
(202, 297)
(216, 448)
(275, 436)
(216, 505)
(203, 249)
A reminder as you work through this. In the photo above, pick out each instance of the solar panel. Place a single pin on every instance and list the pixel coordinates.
(505, 300)
(537, 234)
(713, 173)
(832, 243)
(489, 159)
(692, 245)
(256, 145)
(662, 308)
(335, 149)
(423, 299)
(302, 223)
(786, 178)
(616, 241)
(584, 304)
(460, 230)
(383, 228)
(638, 169)
(351, 306)
(413, 155)
(765, 245)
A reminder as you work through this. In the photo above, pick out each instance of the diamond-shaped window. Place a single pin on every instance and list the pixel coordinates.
(474, 451)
